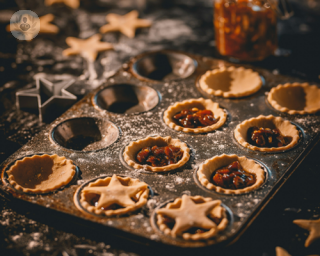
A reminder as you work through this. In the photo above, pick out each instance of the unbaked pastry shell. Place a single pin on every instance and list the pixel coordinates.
(230, 82)
(41, 173)
(195, 103)
(131, 151)
(217, 211)
(207, 168)
(284, 126)
(127, 181)
(287, 97)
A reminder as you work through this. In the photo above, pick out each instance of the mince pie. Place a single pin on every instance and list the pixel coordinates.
(113, 196)
(192, 218)
(157, 154)
(195, 116)
(267, 133)
(231, 174)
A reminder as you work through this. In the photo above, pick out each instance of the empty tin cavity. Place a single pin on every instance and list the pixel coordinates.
(126, 98)
(85, 134)
(163, 66)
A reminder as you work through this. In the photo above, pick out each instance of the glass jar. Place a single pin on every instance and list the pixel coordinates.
(246, 29)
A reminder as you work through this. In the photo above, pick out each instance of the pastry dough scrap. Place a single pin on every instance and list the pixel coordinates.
(295, 98)
(131, 151)
(230, 82)
(207, 168)
(285, 127)
(130, 194)
(314, 228)
(200, 104)
(192, 212)
(281, 252)
(71, 3)
(126, 24)
(87, 48)
(41, 173)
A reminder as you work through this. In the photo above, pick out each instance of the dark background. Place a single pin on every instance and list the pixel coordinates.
(177, 24)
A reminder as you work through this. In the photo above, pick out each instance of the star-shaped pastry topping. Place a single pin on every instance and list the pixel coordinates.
(45, 26)
(314, 228)
(88, 48)
(71, 3)
(281, 252)
(190, 215)
(116, 193)
(126, 24)
(46, 97)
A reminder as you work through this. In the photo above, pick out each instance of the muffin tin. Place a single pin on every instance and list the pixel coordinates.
(130, 106)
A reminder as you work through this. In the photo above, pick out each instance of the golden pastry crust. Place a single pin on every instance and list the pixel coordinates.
(41, 173)
(195, 103)
(87, 48)
(284, 126)
(131, 151)
(130, 194)
(295, 98)
(314, 228)
(206, 169)
(189, 212)
(126, 24)
(230, 82)
(281, 252)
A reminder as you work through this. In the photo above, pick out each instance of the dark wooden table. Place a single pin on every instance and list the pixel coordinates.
(182, 25)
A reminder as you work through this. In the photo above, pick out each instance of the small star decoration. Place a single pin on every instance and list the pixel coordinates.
(314, 228)
(45, 26)
(87, 48)
(281, 252)
(116, 193)
(71, 3)
(126, 24)
(190, 215)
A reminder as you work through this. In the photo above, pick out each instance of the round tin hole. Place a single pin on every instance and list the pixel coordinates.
(126, 98)
(85, 134)
(164, 66)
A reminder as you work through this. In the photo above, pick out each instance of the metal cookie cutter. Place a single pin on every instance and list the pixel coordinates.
(51, 99)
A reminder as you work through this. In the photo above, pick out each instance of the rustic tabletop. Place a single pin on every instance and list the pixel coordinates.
(180, 25)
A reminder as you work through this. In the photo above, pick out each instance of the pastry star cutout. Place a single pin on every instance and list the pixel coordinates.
(314, 228)
(45, 26)
(116, 193)
(88, 48)
(126, 24)
(71, 3)
(190, 215)
(281, 252)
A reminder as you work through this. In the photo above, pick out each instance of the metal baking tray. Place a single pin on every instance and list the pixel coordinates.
(147, 85)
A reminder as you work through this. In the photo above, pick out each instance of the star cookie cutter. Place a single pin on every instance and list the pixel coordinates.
(51, 99)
